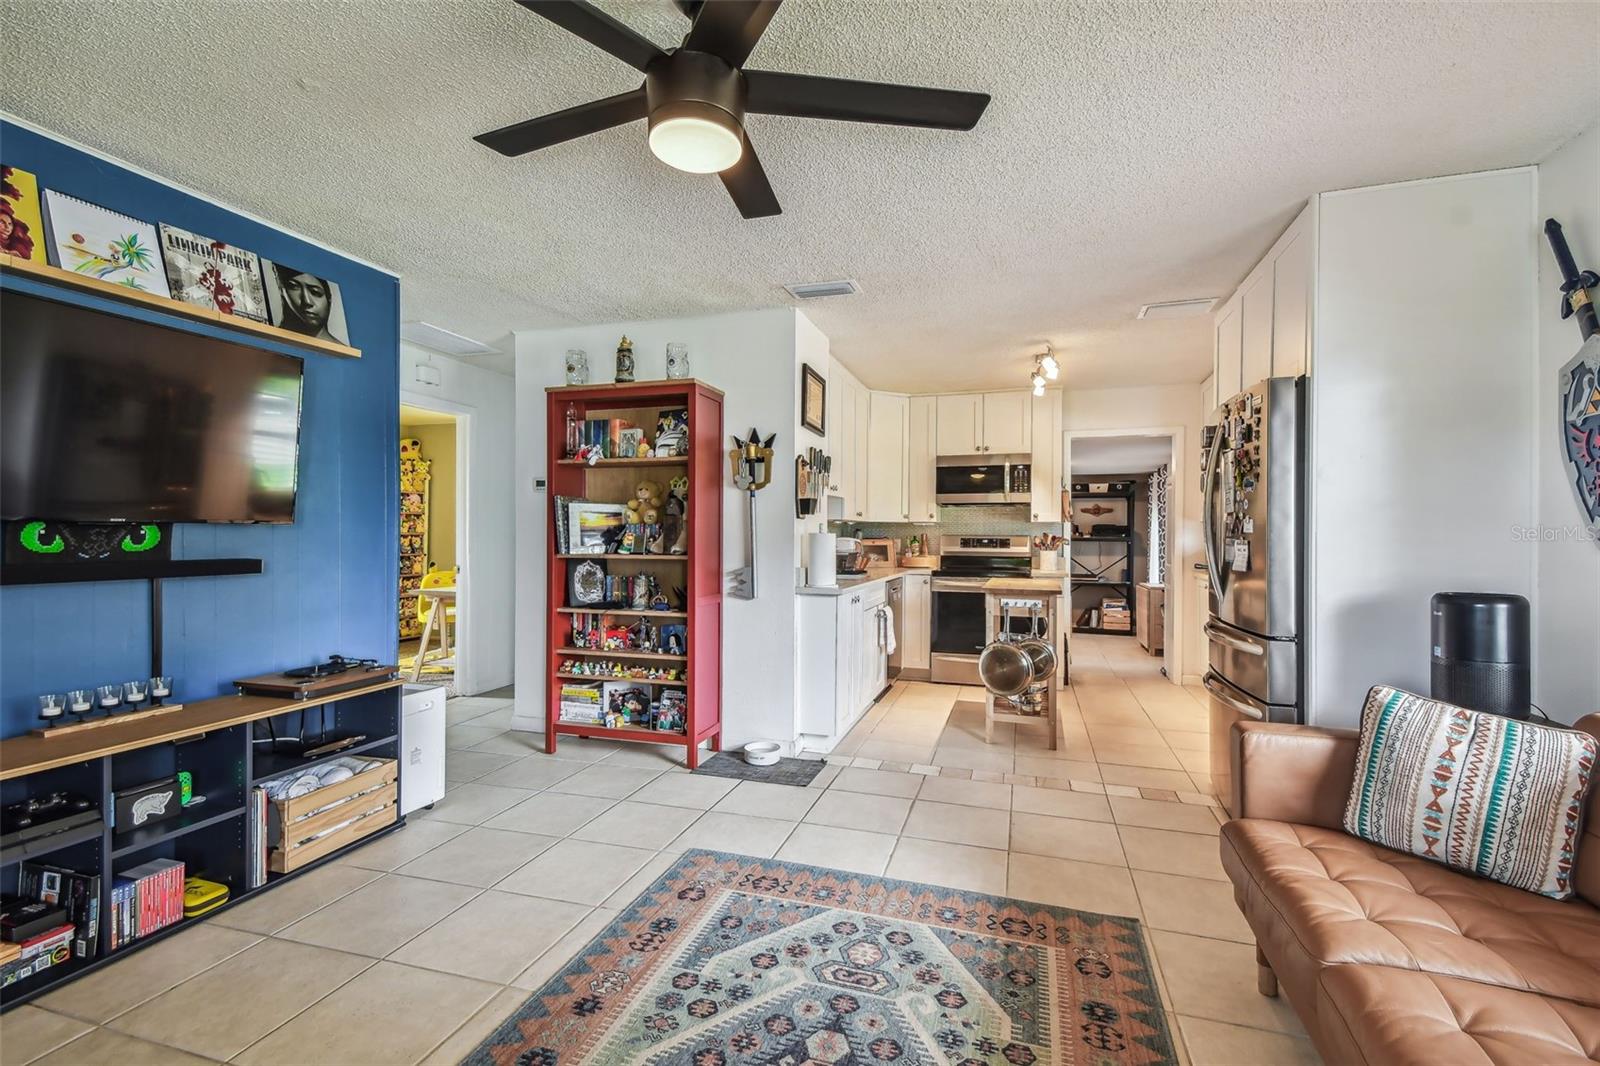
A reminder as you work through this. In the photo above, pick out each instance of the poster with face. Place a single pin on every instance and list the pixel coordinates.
(304, 303)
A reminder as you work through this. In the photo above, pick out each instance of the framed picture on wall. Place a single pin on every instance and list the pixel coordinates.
(208, 273)
(813, 400)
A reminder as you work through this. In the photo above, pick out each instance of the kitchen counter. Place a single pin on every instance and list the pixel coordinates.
(1035, 585)
(851, 582)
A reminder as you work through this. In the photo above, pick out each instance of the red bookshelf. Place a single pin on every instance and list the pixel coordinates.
(698, 573)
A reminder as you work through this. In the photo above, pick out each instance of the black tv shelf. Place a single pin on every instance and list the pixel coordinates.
(123, 570)
(201, 817)
(270, 764)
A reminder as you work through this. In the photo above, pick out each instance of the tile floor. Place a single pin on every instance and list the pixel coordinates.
(400, 952)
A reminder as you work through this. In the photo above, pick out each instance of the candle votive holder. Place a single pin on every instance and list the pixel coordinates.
(160, 689)
(80, 701)
(135, 693)
(52, 707)
(108, 697)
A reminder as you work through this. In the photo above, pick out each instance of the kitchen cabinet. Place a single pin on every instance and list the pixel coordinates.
(1007, 422)
(844, 662)
(922, 446)
(960, 424)
(847, 440)
(873, 637)
(916, 628)
(886, 453)
(1264, 329)
(1045, 446)
(858, 457)
(1255, 328)
(1229, 351)
(1291, 302)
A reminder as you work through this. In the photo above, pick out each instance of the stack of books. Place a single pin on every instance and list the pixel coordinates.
(582, 703)
(77, 893)
(39, 952)
(144, 899)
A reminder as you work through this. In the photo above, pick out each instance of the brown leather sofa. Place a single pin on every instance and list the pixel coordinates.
(1390, 959)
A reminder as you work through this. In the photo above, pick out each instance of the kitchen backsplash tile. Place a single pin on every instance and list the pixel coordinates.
(1000, 519)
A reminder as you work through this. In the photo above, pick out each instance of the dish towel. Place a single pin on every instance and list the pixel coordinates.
(888, 629)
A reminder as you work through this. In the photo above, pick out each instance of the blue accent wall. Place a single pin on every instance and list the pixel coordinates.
(329, 579)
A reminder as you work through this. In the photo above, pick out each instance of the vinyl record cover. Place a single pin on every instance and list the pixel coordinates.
(21, 223)
(208, 273)
(88, 239)
(302, 302)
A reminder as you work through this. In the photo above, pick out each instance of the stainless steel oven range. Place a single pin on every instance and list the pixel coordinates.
(965, 564)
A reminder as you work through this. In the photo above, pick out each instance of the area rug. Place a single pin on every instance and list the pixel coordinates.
(786, 771)
(729, 960)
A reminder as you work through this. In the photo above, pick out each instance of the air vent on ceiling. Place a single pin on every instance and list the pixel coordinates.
(1177, 308)
(428, 335)
(815, 290)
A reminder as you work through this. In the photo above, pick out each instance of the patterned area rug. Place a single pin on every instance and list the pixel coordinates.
(729, 960)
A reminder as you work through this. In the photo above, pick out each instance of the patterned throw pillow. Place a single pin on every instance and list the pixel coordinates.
(1490, 795)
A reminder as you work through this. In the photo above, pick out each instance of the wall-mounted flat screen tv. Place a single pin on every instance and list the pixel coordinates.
(105, 418)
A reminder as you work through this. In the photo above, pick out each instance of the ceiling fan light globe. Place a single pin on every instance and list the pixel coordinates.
(698, 145)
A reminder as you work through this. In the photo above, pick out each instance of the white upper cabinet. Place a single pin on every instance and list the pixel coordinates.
(1230, 341)
(1008, 422)
(887, 441)
(1264, 329)
(1045, 485)
(921, 448)
(857, 507)
(1255, 318)
(1291, 303)
(960, 424)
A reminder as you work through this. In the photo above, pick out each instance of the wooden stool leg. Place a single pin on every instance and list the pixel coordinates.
(422, 648)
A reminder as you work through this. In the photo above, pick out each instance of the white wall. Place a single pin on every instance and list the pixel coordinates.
(1421, 421)
(1566, 677)
(750, 356)
(1145, 407)
(485, 613)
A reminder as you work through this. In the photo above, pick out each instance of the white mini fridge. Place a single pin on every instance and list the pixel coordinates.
(421, 746)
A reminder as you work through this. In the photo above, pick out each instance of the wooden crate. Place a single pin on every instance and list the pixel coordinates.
(370, 797)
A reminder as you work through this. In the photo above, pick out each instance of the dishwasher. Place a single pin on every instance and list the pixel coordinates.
(899, 615)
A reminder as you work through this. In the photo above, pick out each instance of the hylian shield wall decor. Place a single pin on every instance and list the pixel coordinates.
(1579, 383)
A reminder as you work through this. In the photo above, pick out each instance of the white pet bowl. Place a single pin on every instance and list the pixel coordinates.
(762, 752)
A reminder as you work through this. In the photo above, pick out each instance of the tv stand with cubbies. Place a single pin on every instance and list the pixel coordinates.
(215, 741)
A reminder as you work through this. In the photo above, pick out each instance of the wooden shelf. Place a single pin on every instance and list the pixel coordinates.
(653, 460)
(123, 570)
(681, 683)
(201, 817)
(646, 613)
(649, 736)
(268, 765)
(619, 653)
(30, 754)
(621, 555)
(210, 316)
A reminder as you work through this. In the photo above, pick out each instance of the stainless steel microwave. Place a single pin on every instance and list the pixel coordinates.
(997, 479)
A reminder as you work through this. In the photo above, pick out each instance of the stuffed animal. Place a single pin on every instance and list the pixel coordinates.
(646, 497)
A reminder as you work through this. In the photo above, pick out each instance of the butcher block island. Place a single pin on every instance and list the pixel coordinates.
(1045, 592)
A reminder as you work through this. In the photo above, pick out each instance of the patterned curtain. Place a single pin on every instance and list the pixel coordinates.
(1158, 526)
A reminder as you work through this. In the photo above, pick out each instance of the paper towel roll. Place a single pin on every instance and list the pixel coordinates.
(822, 562)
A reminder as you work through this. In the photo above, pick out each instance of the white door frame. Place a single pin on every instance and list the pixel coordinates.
(1178, 585)
(466, 680)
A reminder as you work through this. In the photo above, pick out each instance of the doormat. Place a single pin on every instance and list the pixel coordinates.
(729, 960)
(796, 772)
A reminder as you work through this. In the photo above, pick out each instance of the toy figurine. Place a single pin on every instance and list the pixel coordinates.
(624, 361)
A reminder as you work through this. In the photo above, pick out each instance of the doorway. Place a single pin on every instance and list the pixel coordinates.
(434, 642)
(1125, 524)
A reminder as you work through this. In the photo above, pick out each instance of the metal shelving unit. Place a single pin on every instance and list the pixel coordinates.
(1084, 576)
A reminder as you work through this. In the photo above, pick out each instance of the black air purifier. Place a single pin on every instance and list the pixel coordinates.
(1481, 652)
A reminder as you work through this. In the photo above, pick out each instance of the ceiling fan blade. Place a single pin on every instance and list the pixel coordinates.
(747, 183)
(805, 96)
(730, 29)
(598, 28)
(560, 126)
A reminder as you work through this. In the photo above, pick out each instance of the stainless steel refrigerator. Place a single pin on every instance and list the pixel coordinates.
(1254, 488)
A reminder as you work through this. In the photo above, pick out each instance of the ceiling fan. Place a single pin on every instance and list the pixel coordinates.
(695, 96)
